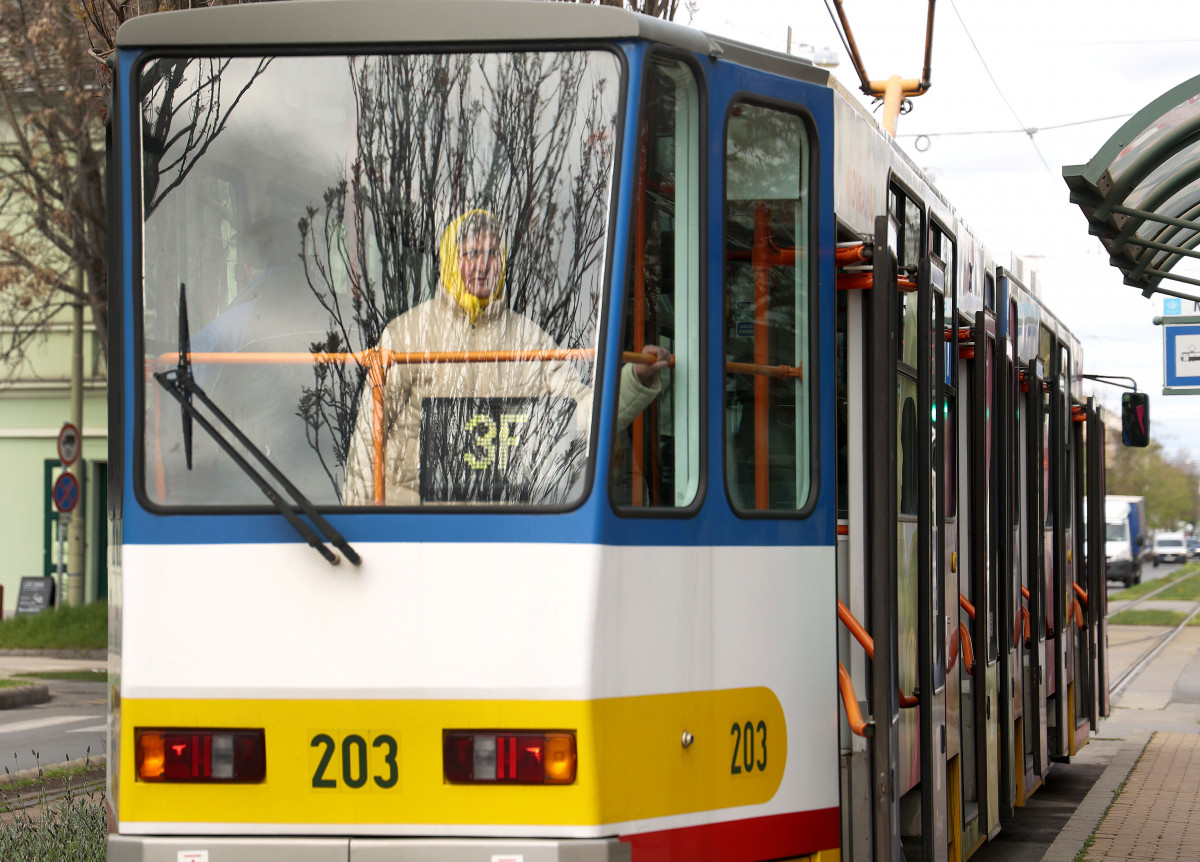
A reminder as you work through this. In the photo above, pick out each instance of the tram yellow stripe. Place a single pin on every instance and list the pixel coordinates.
(632, 761)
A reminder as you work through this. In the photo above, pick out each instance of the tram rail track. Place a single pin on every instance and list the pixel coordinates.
(1156, 644)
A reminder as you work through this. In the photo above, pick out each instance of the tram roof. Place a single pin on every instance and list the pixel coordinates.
(1141, 191)
(302, 23)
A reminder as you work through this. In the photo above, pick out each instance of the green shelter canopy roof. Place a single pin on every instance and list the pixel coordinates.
(1141, 191)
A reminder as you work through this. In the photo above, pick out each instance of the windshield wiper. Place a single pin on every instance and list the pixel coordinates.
(182, 387)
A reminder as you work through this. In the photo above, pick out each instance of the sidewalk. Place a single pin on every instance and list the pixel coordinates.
(1145, 803)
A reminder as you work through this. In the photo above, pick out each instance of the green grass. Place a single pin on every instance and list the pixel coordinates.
(65, 823)
(97, 675)
(1147, 618)
(1187, 590)
(83, 627)
(1139, 590)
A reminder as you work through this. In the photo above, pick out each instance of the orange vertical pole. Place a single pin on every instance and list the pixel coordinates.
(760, 259)
(636, 430)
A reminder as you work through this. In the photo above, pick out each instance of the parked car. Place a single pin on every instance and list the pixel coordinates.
(1193, 546)
(1169, 548)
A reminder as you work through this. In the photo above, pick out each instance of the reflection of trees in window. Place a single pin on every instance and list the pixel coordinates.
(183, 113)
(908, 455)
(182, 116)
(528, 136)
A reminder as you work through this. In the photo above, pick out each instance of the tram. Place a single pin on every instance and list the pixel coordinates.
(542, 432)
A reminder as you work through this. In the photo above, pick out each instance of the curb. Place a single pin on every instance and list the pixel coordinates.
(91, 654)
(38, 771)
(26, 695)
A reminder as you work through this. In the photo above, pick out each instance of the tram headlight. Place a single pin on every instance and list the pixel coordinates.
(199, 755)
(508, 757)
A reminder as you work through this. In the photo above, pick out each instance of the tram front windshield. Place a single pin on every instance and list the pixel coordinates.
(435, 223)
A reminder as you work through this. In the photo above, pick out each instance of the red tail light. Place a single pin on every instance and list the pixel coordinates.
(508, 757)
(187, 754)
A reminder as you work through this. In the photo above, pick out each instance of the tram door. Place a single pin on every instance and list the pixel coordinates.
(1009, 626)
(933, 612)
(1084, 694)
(1097, 606)
(1033, 590)
(980, 588)
(1055, 536)
(1062, 497)
(880, 446)
(920, 618)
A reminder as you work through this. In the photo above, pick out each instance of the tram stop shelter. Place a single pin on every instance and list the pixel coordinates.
(1141, 192)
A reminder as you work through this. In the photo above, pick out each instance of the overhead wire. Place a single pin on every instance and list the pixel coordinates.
(837, 25)
(1028, 131)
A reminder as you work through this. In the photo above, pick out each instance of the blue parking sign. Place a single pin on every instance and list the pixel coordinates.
(1181, 355)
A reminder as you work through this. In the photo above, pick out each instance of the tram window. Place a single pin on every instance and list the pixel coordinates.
(910, 217)
(907, 462)
(656, 459)
(767, 299)
(950, 455)
(330, 205)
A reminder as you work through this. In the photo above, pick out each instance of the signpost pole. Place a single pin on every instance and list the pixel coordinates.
(75, 531)
(64, 520)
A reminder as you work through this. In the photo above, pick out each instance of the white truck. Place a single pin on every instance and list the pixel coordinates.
(1126, 541)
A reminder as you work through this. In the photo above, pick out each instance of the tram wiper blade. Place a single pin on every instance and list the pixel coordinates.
(182, 386)
(184, 372)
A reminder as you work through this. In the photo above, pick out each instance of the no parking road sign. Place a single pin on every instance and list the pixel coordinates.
(66, 492)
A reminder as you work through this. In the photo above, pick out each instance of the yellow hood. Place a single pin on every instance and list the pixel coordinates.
(451, 271)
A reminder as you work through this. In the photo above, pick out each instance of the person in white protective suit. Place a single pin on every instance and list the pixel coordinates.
(467, 314)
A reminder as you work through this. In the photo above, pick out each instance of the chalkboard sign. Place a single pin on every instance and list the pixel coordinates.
(36, 595)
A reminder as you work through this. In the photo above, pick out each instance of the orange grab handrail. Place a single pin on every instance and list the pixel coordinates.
(1079, 591)
(388, 358)
(1025, 592)
(851, 254)
(1025, 618)
(1078, 612)
(967, 649)
(856, 629)
(850, 701)
(907, 701)
(966, 605)
(378, 362)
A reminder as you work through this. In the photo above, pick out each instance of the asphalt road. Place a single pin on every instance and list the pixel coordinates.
(1150, 572)
(71, 725)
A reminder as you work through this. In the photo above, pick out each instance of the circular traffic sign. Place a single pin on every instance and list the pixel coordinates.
(66, 492)
(68, 444)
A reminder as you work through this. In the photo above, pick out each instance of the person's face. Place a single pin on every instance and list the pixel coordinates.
(479, 261)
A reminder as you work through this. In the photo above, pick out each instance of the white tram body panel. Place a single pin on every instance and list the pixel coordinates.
(647, 630)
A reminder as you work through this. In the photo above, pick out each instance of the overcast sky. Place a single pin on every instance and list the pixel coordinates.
(1069, 71)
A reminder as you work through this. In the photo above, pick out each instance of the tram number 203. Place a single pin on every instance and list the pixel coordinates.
(359, 761)
(749, 747)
